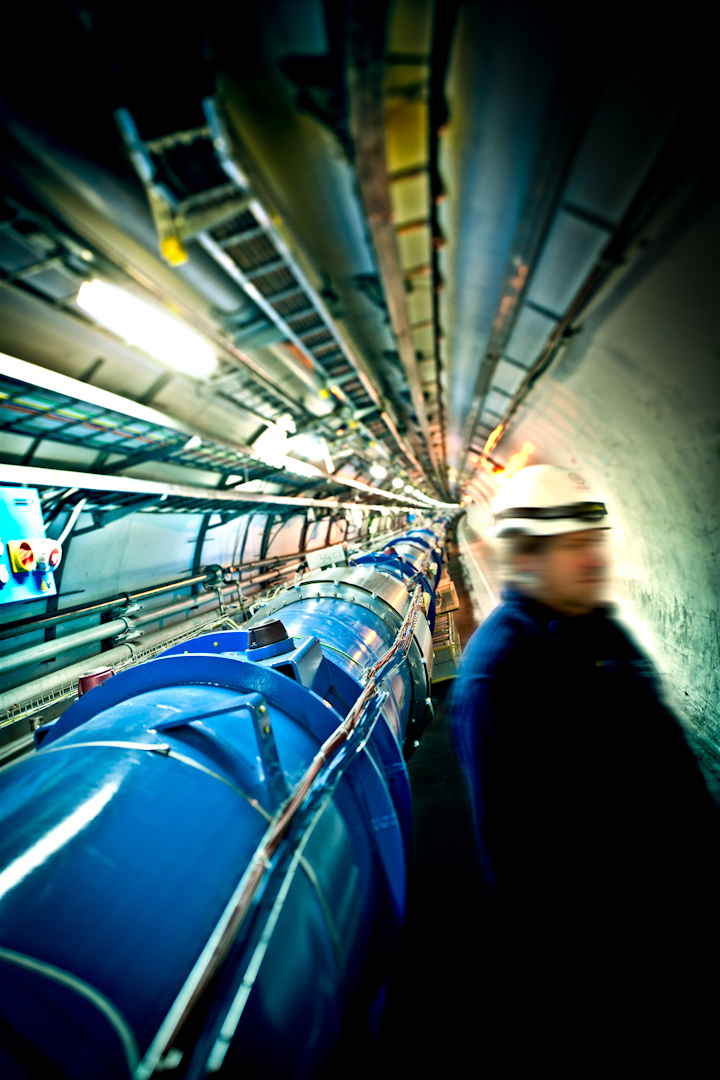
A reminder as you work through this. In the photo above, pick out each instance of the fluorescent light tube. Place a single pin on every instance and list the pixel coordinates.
(142, 325)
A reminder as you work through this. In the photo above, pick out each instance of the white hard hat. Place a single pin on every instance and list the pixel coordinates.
(546, 500)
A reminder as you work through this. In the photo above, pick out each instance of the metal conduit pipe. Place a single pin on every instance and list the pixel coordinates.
(42, 622)
(37, 653)
(254, 564)
(155, 590)
(279, 569)
(188, 604)
(79, 611)
(272, 574)
(175, 609)
(47, 684)
(179, 606)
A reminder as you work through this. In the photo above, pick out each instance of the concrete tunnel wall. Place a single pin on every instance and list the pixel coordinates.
(635, 402)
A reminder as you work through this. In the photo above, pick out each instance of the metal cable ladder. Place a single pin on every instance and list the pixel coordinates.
(196, 189)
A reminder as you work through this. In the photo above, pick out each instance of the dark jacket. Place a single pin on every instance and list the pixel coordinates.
(596, 831)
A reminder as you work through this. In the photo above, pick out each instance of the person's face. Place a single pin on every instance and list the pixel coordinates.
(571, 571)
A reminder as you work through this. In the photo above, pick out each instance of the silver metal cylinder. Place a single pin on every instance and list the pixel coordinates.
(37, 653)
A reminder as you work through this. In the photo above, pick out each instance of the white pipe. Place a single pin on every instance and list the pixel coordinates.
(35, 690)
(37, 653)
(70, 522)
(36, 476)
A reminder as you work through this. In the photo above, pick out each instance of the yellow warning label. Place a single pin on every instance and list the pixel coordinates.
(43, 586)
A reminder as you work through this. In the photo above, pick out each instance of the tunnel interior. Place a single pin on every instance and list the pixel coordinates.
(373, 259)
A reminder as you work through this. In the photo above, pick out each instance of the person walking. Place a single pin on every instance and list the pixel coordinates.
(597, 835)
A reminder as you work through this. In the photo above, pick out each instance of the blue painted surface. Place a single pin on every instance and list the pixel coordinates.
(21, 519)
(119, 860)
(124, 837)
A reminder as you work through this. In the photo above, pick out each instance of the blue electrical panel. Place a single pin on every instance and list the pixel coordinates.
(22, 543)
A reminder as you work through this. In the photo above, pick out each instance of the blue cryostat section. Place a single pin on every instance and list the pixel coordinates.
(128, 839)
(414, 556)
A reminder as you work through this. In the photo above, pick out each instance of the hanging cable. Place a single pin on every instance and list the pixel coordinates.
(70, 523)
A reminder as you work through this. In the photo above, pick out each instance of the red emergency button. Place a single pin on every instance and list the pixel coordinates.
(54, 558)
(25, 554)
(22, 556)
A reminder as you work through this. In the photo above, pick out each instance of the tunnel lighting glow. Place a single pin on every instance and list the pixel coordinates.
(301, 468)
(254, 486)
(516, 462)
(379, 472)
(409, 489)
(492, 441)
(272, 444)
(272, 448)
(398, 483)
(308, 446)
(153, 331)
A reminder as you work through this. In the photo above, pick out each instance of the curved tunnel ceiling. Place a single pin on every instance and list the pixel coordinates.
(437, 239)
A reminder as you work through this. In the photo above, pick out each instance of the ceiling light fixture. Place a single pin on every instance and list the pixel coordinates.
(155, 332)
(378, 472)
(271, 444)
(287, 423)
(308, 446)
(300, 468)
